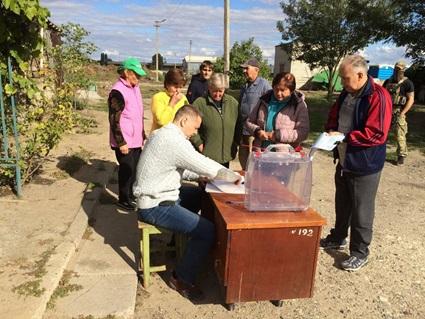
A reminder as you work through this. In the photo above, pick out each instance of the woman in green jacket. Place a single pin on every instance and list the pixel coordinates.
(221, 129)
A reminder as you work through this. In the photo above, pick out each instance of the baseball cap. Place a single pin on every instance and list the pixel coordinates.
(400, 65)
(134, 65)
(251, 62)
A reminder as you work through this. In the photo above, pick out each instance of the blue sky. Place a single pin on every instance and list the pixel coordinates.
(125, 28)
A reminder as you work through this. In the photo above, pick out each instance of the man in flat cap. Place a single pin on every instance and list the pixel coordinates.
(250, 93)
(403, 95)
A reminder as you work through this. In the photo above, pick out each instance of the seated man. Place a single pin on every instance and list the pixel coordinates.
(167, 158)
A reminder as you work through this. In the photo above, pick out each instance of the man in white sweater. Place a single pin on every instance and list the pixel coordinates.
(167, 158)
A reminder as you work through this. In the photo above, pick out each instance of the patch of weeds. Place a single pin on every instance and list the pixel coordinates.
(77, 160)
(85, 125)
(44, 242)
(64, 288)
(29, 288)
(59, 175)
(93, 185)
(42, 180)
(37, 270)
(21, 263)
(84, 154)
(87, 234)
(39, 267)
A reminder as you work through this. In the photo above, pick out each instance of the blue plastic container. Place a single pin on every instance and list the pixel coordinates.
(381, 71)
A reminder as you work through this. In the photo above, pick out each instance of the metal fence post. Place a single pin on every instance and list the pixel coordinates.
(14, 160)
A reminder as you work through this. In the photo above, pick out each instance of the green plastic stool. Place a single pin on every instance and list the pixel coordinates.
(144, 266)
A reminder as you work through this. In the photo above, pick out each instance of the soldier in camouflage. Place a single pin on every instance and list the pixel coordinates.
(402, 93)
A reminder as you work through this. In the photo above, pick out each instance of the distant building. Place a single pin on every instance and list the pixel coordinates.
(191, 63)
(300, 69)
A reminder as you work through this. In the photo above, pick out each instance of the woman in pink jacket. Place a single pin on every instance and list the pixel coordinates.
(281, 115)
(126, 127)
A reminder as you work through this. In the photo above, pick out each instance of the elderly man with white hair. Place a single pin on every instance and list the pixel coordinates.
(362, 113)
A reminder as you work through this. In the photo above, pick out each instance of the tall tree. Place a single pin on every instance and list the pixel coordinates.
(408, 28)
(322, 32)
(239, 53)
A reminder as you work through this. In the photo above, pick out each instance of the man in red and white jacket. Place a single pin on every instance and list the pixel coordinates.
(362, 113)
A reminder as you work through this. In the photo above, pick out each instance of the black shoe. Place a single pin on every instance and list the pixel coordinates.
(188, 291)
(329, 243)
(400, 160)
(126, 205)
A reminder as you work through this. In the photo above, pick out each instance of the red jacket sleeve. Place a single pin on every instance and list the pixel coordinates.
(375, 131)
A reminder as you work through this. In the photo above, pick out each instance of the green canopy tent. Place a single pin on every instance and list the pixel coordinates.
(322, 78)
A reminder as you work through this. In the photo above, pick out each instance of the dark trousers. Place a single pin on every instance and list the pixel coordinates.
(127, 172)
(355, 207)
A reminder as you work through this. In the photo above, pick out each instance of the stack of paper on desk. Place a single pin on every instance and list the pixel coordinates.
(225, 187)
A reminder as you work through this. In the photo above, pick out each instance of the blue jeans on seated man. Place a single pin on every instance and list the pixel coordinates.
(182, 217)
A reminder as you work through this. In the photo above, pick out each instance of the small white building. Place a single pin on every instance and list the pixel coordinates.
(191, 63)
(300, 69)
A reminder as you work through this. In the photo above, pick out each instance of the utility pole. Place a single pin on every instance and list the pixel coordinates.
(226, 39)
(190, 57)
(157, 24)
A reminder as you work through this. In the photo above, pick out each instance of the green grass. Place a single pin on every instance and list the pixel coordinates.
(318, 109)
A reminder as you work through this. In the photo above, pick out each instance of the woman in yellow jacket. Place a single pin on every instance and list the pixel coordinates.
(166, 103)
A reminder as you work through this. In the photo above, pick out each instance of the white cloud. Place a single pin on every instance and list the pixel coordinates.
(129, 29)
(381, 53)
(112, 52)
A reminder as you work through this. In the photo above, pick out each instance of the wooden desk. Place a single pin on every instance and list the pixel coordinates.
(263, 255)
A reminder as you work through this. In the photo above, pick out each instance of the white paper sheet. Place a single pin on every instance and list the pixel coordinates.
(327, 142)
(225, 187)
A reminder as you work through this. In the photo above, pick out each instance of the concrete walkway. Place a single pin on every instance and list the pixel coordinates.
(102, 272)
(49, 258)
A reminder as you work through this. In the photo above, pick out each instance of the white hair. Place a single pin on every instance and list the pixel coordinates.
(218, 81)
(357, 62)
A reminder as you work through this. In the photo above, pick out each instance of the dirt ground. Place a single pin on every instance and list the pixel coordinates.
(392, 285)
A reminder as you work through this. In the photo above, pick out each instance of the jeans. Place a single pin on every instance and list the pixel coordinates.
(355, 209)
(182, 217)
(127, 172)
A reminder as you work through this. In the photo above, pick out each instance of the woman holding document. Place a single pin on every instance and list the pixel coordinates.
(281, 115)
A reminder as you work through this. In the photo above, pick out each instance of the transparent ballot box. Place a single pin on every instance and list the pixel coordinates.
(278, 180)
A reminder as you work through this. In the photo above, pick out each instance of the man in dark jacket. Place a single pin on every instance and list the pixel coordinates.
(363, 114)
(199, 84)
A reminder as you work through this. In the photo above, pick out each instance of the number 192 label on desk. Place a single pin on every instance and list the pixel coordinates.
(303, 232)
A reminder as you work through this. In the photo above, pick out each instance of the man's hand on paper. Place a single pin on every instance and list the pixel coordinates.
(228, 175)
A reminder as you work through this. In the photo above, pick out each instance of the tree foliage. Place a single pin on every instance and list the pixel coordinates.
(44, 105)
(407, 28)
(322, 32)
(72, 57)
(239, 53)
